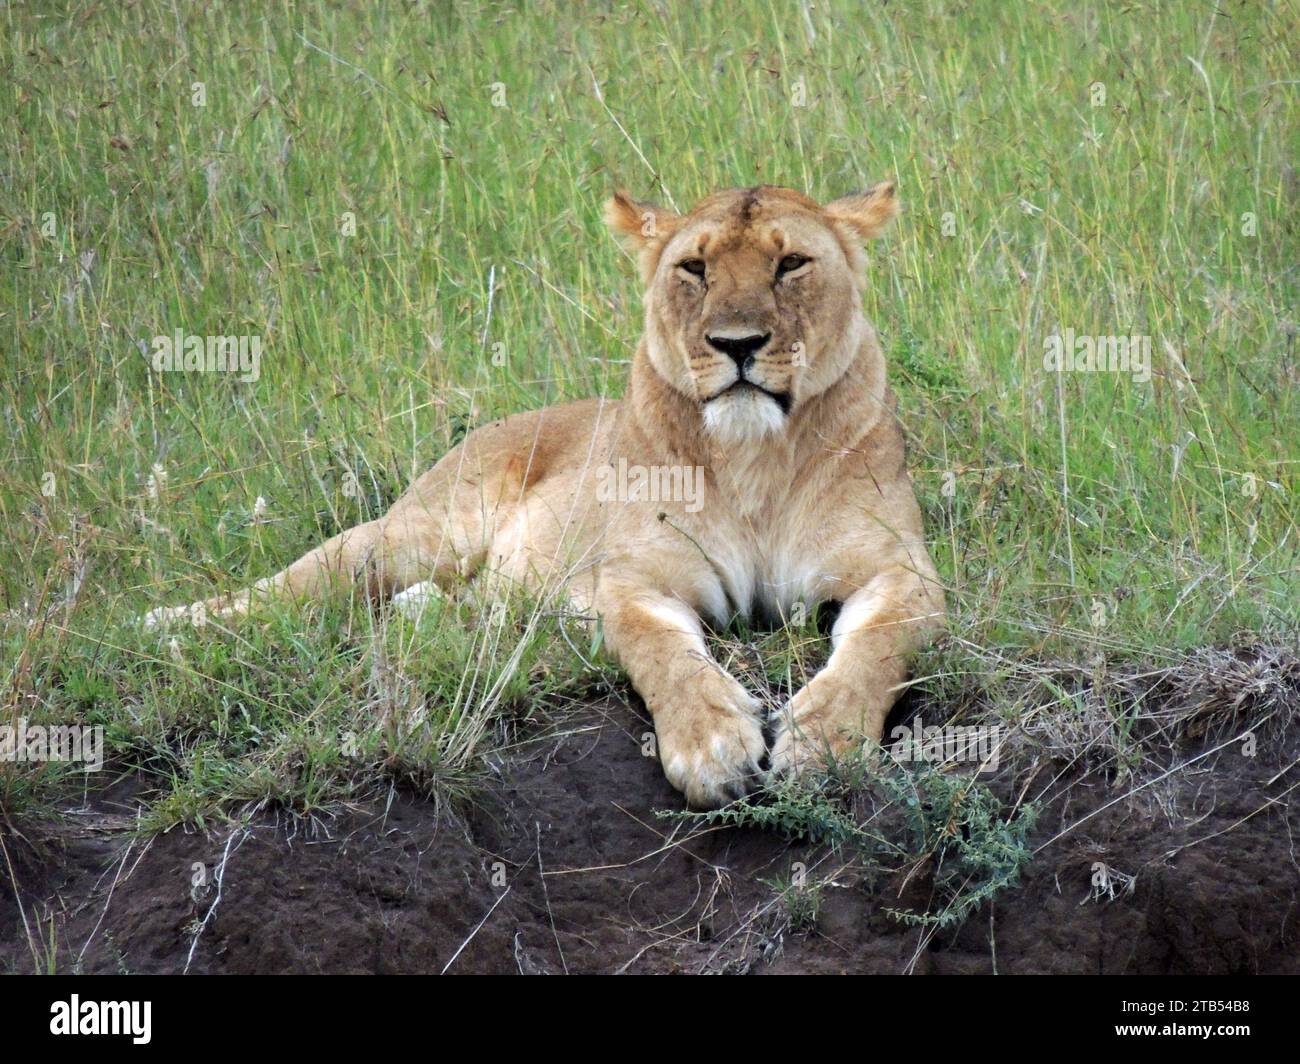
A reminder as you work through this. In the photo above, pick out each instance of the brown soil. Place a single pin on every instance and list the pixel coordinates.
(396, 887)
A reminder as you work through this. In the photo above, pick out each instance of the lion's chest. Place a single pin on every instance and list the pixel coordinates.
(768, 573)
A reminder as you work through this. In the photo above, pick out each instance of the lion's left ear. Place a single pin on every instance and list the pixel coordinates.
(867, 213)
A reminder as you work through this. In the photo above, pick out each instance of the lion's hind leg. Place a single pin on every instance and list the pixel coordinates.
(380, 555)
(438, 532)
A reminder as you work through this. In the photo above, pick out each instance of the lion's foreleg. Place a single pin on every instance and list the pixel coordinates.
(878, 628)
(708, 730)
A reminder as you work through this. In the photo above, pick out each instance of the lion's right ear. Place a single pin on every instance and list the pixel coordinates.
(639, 225)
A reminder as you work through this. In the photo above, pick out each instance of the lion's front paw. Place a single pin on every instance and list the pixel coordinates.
(710, 742)
(824, 721)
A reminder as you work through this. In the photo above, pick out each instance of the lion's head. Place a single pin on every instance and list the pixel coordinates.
(753, 297)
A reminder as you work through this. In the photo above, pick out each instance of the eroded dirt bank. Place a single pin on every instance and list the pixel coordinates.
(564, 866)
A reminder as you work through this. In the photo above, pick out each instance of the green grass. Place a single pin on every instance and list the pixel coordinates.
(1070, 515)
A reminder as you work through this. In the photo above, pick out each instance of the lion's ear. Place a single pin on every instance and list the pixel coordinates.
(867, 213)
(638, 224)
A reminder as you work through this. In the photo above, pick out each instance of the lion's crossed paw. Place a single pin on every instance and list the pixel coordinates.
(806, 732)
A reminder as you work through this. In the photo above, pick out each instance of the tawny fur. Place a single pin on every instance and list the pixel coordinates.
(806, 498)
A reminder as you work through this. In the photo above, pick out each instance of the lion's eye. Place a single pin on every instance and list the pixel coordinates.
(791, 263)
(694, 266)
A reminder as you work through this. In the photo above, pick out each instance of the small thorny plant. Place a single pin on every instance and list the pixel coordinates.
(960, 823)
(814, 813)
(950, 820)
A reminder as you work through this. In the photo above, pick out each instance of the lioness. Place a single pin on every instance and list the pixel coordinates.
(759, 374)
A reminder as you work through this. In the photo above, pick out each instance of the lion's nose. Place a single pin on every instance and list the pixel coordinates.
(738, 344)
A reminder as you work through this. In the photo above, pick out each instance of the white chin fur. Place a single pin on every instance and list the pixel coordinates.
(743, 417)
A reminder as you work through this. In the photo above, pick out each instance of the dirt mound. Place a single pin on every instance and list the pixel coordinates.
(563, 865)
